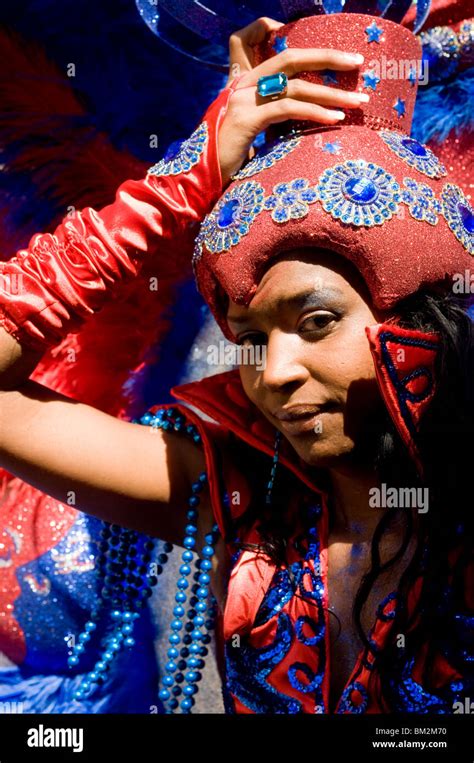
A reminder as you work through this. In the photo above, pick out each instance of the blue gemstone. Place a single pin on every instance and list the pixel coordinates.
(414, 147)
(272, 84)
(361, 190)
(173, 150)
(467, 218)
(227, 213)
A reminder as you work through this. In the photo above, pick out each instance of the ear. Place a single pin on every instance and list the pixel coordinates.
(405, 366)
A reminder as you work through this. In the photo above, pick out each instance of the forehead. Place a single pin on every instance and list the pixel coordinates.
(291, 274)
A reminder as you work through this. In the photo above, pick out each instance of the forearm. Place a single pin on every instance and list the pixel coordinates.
(48, 289)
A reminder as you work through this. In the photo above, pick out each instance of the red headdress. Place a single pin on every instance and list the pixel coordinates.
(364, 190)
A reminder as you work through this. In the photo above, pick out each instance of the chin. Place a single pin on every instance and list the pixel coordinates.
(323, 452)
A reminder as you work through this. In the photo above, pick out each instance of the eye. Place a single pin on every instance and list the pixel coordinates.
(251, 338)
(320, 320)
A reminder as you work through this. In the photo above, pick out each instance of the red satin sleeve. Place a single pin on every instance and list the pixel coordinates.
(48, 289)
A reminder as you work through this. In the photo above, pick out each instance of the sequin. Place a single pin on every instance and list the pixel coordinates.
(370, 80)
(354, 699)
(413, 153)
(459, 215)
(373, 32)
(421, 201)
(399, 107)
(290, 201)
(280, 44)
(440, 50)
(231, 217)
(359, 193)
(268, 155)
(248, 667)
(183, 155)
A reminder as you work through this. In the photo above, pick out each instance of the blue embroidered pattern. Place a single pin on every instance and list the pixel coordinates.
(183, 155)
(248, 667)
(359, 193)
(421, 201)
(413, 153)
(231, 217)
(400, 385)
(289, 201)
(348, 703)
(459, 214)
(267, 156)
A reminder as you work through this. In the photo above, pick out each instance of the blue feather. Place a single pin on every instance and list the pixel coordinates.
(441, 108)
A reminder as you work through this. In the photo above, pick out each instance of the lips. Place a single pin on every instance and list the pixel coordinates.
(299, 419)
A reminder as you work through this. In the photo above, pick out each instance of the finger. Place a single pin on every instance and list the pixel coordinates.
(294, 60)
(290, 108)
(242, 41)
(320, 94)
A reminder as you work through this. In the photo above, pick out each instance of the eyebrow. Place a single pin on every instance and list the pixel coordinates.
(308, 298)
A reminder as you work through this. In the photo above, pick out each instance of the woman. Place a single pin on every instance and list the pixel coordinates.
(354, 420)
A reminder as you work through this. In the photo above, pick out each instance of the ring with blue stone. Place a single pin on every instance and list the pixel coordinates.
(272, 85)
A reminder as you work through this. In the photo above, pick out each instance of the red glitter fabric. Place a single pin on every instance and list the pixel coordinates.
(396, 257)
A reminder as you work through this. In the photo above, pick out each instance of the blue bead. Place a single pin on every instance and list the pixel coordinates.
(192, 676)
(203, 477)
(116, 614)
(201, 606)
(196, 635)
(204, 578)
(180, 597)
(178, 611)
(206, 564)
(186, 704)
(173, 704)
(182, 583)
(176, 625)
(173, 653)
(84, 637)
(208, 551)
(170, 667)
(203, 592)
(198, 621)
(188, 556)
(90, 626)
(188, 691)
(79, 648)
(163, 694)
(190, 529)
(168, 680)
(127, 629)
(73, 661)
(174, 639)
(194, 500)
(360, 189)
(191, 515)
(189, 542)
(129, 641)
(127, 616)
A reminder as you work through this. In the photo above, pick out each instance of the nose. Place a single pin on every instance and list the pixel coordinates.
(283, 367)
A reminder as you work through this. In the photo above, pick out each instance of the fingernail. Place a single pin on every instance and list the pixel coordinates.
(355, 58)
(364, 97)
(337, 115)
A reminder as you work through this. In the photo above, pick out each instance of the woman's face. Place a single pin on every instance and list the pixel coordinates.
(309, 313)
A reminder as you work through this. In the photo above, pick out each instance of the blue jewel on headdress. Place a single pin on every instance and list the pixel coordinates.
(181, 156)
(280, 44)
(399, 107)
(413, 153)
(359, 193)
(370, 79)
(231, 217)
(332, 148)
(421, 201)
(373, 32)
(289, 201)
(459, 214)
(329, 77)
(269, 155)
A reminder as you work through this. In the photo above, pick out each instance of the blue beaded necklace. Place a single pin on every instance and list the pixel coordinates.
(124, 561)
